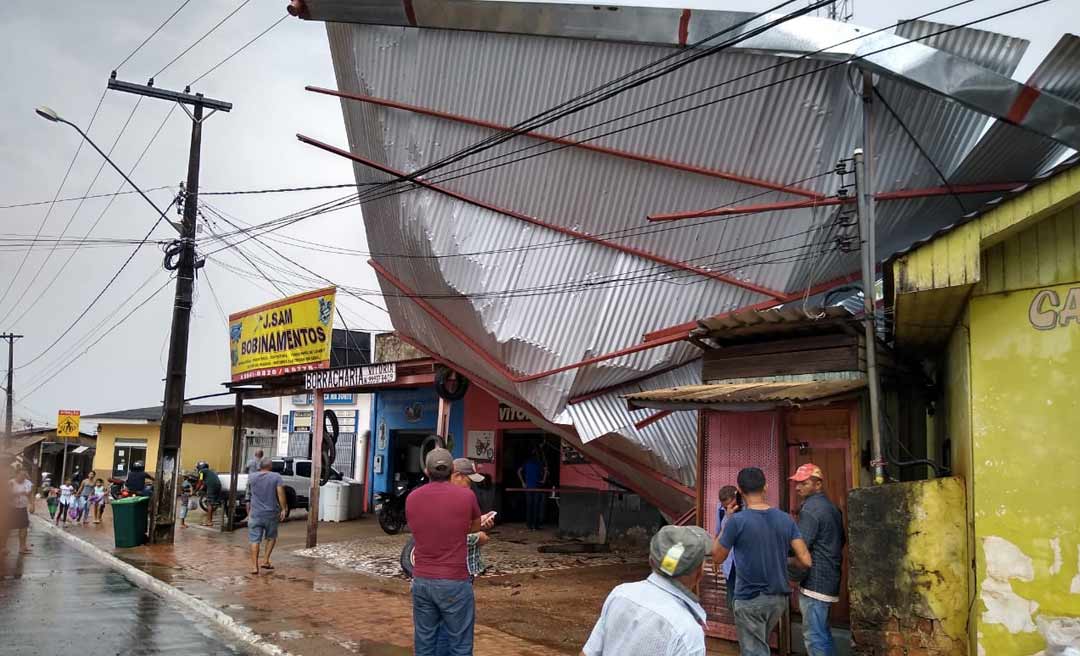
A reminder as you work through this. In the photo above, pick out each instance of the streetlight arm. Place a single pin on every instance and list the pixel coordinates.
(134, 186)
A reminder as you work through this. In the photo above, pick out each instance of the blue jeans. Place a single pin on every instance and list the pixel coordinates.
(534, 509)
(447, 604)
(815, 626)
(755, 619)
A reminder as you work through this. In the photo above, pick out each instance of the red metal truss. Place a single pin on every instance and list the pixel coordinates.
(683, 328)
(902, 194)
(642, 468)
(659, 259)
(652, 419)
(667, 163)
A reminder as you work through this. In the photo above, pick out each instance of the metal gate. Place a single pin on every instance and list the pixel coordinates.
(344, 460)
(299, 444)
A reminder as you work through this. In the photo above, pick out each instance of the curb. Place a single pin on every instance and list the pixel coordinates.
(223, 620)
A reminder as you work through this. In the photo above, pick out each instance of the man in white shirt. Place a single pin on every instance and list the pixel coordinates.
(659, 616)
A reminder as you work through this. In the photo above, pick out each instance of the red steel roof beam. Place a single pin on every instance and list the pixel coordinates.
(705, 273)
(647, 159)
(902, 194)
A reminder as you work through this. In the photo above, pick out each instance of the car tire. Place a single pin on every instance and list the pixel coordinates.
(408, 557)
(290, 501)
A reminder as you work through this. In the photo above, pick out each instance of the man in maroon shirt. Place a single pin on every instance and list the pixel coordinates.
(440, 516)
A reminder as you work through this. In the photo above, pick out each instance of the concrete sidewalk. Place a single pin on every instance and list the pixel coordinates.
(309, 608)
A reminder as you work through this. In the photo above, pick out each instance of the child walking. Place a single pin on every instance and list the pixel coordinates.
(98, 499)
(67, 495)
(185, 501)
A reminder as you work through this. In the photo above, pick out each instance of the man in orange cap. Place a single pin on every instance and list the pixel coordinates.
(822, 528)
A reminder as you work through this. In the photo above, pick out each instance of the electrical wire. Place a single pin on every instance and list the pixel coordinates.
(71, 219)
(238, 50)
(152, 35)
(105, 334)
(363, 199)
(64, 263)
(625, 84)
(200, 39)
(398, 179)
(217, 301)
(65, 355)
(78, 198)
(48, 213)
(100, 293)
(922, 151)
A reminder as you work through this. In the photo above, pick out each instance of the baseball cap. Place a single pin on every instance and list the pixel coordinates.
(466, 467)
(678, 550)
(806, 471)
(438, 460)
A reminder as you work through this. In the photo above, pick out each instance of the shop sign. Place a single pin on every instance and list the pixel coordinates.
(372, 374)
(287, 336)
(302, 421)
(508, 414)
(1048, 312)
(481, 445)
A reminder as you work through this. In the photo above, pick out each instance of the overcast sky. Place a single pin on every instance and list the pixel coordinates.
(59, 53)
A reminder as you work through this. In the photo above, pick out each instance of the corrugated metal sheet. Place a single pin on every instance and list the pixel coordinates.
(764, 393)
(536, 299)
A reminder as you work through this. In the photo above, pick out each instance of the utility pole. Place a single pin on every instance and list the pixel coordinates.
(180, 256)
(9, 390)
(864, 194)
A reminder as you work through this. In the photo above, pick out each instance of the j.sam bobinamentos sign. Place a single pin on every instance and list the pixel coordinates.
(287, 336)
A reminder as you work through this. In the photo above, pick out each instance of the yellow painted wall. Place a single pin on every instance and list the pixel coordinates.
(1025, 423)
(958, 431)
(199, 442)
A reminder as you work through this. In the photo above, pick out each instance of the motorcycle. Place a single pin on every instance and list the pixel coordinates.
(117, 489)
(390, 507)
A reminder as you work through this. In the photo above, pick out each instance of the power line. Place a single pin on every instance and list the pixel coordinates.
(236, 192)
(75, 213)
(101, 337)
(238, 50)
(152, 35)
(65, 355)
(63, 181)
(407, 179)
(101, 293)
(101, 215)
(200, 39)
(583, 101)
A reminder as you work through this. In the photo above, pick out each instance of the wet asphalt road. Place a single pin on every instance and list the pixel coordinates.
(59, 601)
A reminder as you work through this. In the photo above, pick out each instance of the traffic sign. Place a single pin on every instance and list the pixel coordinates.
(67, 423)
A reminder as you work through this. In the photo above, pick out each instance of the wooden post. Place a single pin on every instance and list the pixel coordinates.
(234, 471)
(317, 424)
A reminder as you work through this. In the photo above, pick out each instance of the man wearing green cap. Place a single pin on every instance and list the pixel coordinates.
(659, 615)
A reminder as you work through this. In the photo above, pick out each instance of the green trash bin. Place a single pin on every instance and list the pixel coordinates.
(129, 521)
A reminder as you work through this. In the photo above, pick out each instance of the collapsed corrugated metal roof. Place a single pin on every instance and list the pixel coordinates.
(537, 270)
(749, 396)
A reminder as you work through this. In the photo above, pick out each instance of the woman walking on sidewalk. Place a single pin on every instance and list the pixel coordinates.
(22, 503)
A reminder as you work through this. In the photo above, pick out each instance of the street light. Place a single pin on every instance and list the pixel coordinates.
(50, 114)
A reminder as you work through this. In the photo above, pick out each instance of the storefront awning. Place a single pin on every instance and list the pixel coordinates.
(744, 396)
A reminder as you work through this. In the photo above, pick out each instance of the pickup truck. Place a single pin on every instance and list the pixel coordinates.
(295, 472)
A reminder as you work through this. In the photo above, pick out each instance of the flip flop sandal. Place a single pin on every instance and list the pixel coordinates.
(268, 566)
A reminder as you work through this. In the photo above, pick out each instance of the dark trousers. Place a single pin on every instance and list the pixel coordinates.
(534, 509)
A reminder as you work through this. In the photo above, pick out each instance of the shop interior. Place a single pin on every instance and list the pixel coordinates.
(516, 448)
